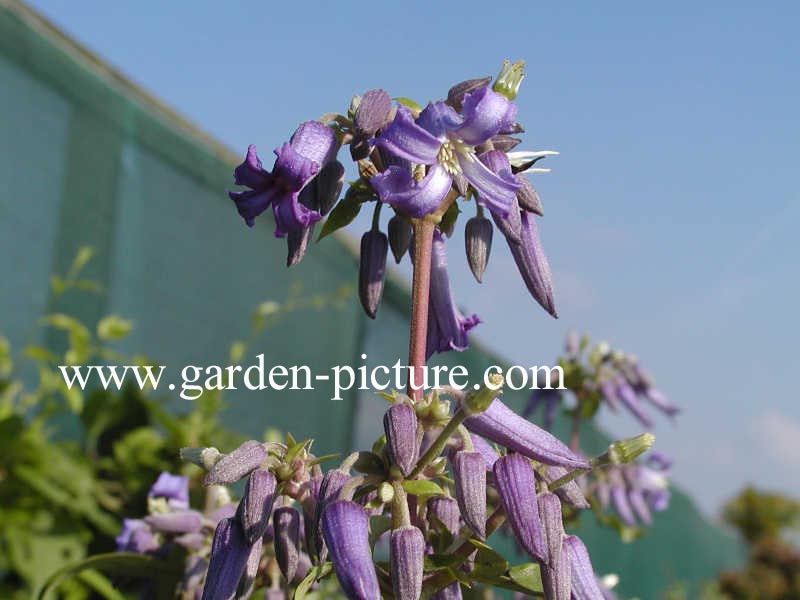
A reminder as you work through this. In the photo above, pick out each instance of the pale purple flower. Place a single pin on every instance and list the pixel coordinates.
(469, 474)
(174, 488)
(584, 582)
(628, 397)
(232, 467)
(311, 146)
(447, 327)
(503, 426)
(406, 556)
(286, 524)
(136, 536)
(402, 436)
(181, 521)
(570, 492)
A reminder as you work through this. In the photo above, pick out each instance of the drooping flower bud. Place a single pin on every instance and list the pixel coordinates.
(503, 426)
(478, 244)
(584, 583)
(455, 96)
(443, 510)
(372, 113)
(182, 521)
(406, 556)
(400, 233)
(570, 492)
(248, 581)
(516, 483)
(286, 523)
(372, 270)
(552, 523)
(469, 471)
(232, 467)
(556, 578)
(332, 484)
(532, 263)
(229, 554)
(328, 185)
(345, 527)
(256, 504)
(402, 436)
(528, 197)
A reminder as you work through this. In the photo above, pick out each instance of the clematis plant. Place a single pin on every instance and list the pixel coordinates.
(451, 467)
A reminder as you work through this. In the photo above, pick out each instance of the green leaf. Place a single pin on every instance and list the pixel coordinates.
(115, 563)
(369, 463)
(342, 214)
(113, 327)
(378, 525)
(527, 576)
(422, 487)
(449, 219)
(489, 564)
(293, 451)
(314, 574)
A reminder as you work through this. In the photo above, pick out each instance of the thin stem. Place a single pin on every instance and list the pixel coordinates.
(401, 517)
(376, 216)
(420, 291)
(439, 443)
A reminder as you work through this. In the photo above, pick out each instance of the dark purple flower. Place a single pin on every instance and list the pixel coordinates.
(584, 582)
(136, 536)
(345, 527)
(229, 555)
(402, 436)
(182, 521)
(515, 481)
(372, 270)
(503, 426)
(447, 327)
(442, 138)
(399, 236)
(332, 484)
(311, 146)
(286, 523)
(469, 474)
(248, 580)
(232, 467)
(570, 492)
(256, 504)
(478, 244)
(175, 488)
(406, 556)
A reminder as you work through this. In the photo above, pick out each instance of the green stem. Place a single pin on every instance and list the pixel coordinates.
(435, 449)
(401, 517)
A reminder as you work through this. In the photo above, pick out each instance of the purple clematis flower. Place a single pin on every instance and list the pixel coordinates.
(310, 148)
(445, 140)
(447, 327)
(174, 488)
(584, 582)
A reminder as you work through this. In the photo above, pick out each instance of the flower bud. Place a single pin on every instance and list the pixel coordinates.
(503, 426)
(570, 492)
(583, 581)
(332, 484)
(373, 111)
(625, 451)
(183, 521)
(286, 523)
(371, 271)
(202, 457)
(504, 143)
(445, 511)
(455, 96)
(248, 581)
(528, 197)
(515, 481)
(556, 578)
(402, 439)
(232, 467)
(552, 523)
(478, 243)
(256, 504)
(229, 555)
(509, 78)
(297, 244)
(399, 237)
(469, 471)
(345, 527)
(406, 556)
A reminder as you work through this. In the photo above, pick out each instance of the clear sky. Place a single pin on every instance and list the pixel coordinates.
(671, 214)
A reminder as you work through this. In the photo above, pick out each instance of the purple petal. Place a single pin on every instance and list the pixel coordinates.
(584, 582)
(659, 461)
(609, 393)
(550, 514)
(256, 504)
(639, 505)
(447, 327)
(486, 113)
(397, 187)
(232, 467)
(314, 141)
(174, 488)
(438, 118)
(661, 402)
(290, 215)
(658, 500)
(488, 453)
(516, 483)
(250, 173)
(619, 498)
(556, 579)
(286, 525)
(250, 203)
(503, 426)
(628, 397)
(184, 521)
(492, 179)
(404, 138)
(532, 263)
(373, 111)
(292, 169)
(446, 512)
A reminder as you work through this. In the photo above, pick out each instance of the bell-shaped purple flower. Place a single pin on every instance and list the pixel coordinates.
(256, 504)
(447, 327)
(136, 536)
(570, 492)
(311, 147)
(478, 244)
(181, 521)
(372, 270)
(406, 557)
(232, 467)
(469, 473)
(229, 555)
(286, 523)
(515, 481)
(345, 527)
(553, 525)
(402, 436)
(175, 488)
(503, 426)
(584, 583)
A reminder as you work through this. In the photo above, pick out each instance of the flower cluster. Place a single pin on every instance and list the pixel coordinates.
(419, 161)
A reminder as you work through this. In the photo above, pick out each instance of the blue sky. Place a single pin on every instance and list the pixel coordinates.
(671, 213)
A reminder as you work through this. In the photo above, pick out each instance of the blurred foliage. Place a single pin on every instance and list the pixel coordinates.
(760, 515)
(63, 499)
